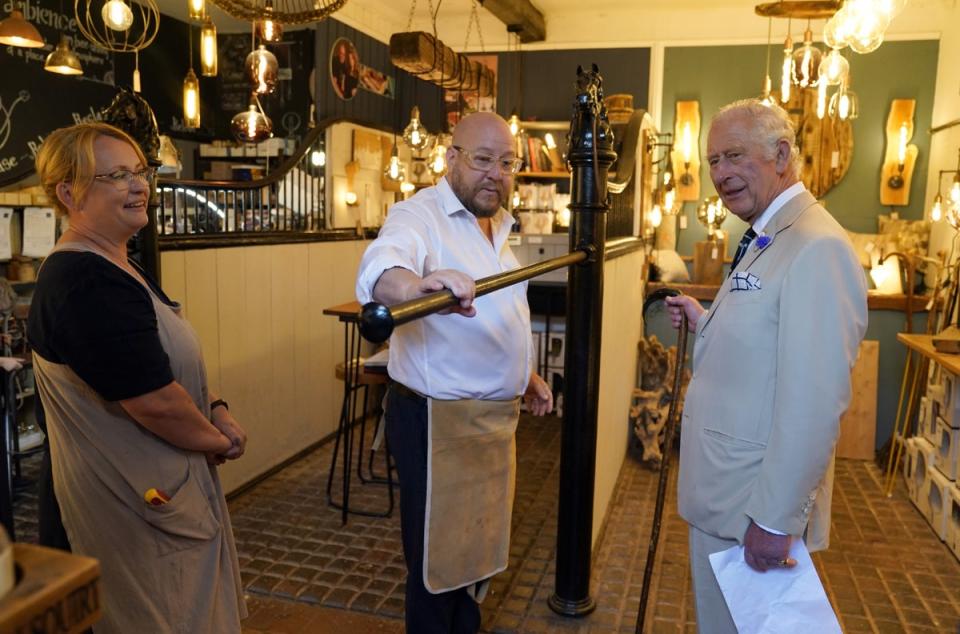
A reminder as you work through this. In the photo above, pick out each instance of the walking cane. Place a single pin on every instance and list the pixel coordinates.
(669, 430)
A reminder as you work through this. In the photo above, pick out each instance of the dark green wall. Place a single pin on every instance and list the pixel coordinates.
(717, 75)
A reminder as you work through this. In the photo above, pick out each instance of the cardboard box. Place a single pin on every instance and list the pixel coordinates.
(948, 446)
(938, 502)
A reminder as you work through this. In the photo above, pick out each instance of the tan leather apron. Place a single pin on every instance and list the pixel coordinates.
(471, 470)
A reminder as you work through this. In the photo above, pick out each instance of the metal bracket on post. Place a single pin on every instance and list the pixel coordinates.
(591, 155)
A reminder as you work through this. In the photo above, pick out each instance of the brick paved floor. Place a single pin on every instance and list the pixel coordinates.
(886, 571)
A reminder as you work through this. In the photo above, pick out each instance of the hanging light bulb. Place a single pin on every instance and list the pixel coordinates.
(844, 104)
(549, 141)
(318, 158)
(515, 201)
(834, 68)
(955, 190)
(406, 187)
(191, 100)
(786, 71)
(262, 70)
(251, 125)
(806, 62)
(16, 31)
(414, 134)
(270, 30)
(669, 199)
(62, 60)
(208, 48)
(766, 98)
(393, 171)
(890, 8)
(514, 123)
(117, 15)
(822, 100)
(196, 9)
(438, 159)
(936, 211)
(656, 216)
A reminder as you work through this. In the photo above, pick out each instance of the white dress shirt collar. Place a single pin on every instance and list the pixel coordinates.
(777, 204)
(450, 205)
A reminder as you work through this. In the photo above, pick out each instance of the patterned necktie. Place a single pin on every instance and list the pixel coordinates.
(745, 241)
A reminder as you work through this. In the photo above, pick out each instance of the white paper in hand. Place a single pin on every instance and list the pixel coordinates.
(779, 601)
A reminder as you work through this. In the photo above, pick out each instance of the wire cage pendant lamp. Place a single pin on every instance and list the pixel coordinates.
(280, 11)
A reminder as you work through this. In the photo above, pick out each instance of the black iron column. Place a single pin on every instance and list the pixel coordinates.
(591, 155)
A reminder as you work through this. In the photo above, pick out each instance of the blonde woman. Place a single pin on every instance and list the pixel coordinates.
(135, 433)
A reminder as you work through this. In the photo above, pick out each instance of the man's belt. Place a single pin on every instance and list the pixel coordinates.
(406, 392)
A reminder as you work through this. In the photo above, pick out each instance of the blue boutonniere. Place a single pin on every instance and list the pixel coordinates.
(763, 241)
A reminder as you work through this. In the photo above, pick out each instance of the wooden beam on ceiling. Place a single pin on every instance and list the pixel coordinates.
(520, 16)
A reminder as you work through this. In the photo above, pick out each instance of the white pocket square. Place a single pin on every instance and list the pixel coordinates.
(744, 281)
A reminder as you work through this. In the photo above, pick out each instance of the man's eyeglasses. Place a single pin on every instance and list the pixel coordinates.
(121, 179)
(484, 162)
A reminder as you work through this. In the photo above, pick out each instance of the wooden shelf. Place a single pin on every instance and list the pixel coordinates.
(924, 345)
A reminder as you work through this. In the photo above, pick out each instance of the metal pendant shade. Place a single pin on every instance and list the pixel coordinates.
(283, 11)
(62, 60)
(16, 31)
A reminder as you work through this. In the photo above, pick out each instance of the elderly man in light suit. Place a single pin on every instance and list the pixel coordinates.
(771, 364)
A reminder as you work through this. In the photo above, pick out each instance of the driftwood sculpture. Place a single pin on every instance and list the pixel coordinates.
(651, 400)
(428, 58)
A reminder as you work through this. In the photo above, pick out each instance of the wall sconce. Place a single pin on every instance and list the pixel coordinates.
(900, 156)
(350, 196)
(953, 198)
(686, 151)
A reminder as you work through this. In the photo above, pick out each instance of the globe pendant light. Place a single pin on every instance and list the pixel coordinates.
(252, 125)
(191, 100)
(62, 60)
(414, 134)
(16, 31)
(262, 69)
(117, 15)
(844, 103)
(806, 62)
(834, 68)
(270, 30)
(208, 48)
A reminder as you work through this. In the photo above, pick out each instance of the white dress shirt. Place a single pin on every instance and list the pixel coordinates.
(487, 356)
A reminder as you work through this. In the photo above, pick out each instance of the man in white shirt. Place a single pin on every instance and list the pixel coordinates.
(771, 364)
(452, 409)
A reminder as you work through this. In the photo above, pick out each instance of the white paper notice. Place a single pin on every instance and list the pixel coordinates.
(6, 217)
(39, 231)
(779, 601)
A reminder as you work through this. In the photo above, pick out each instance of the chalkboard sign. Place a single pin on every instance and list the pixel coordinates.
(33, 102)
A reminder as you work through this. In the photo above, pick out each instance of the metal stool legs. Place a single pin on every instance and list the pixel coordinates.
(344, 442)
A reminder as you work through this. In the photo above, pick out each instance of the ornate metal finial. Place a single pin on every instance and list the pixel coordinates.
(131, 113)
(590, 140)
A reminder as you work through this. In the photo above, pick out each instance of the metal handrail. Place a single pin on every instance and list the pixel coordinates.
(378, 321)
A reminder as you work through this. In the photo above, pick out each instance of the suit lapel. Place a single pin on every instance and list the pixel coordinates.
(780, 222)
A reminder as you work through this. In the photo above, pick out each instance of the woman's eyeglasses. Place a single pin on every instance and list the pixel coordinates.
(121, 179)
